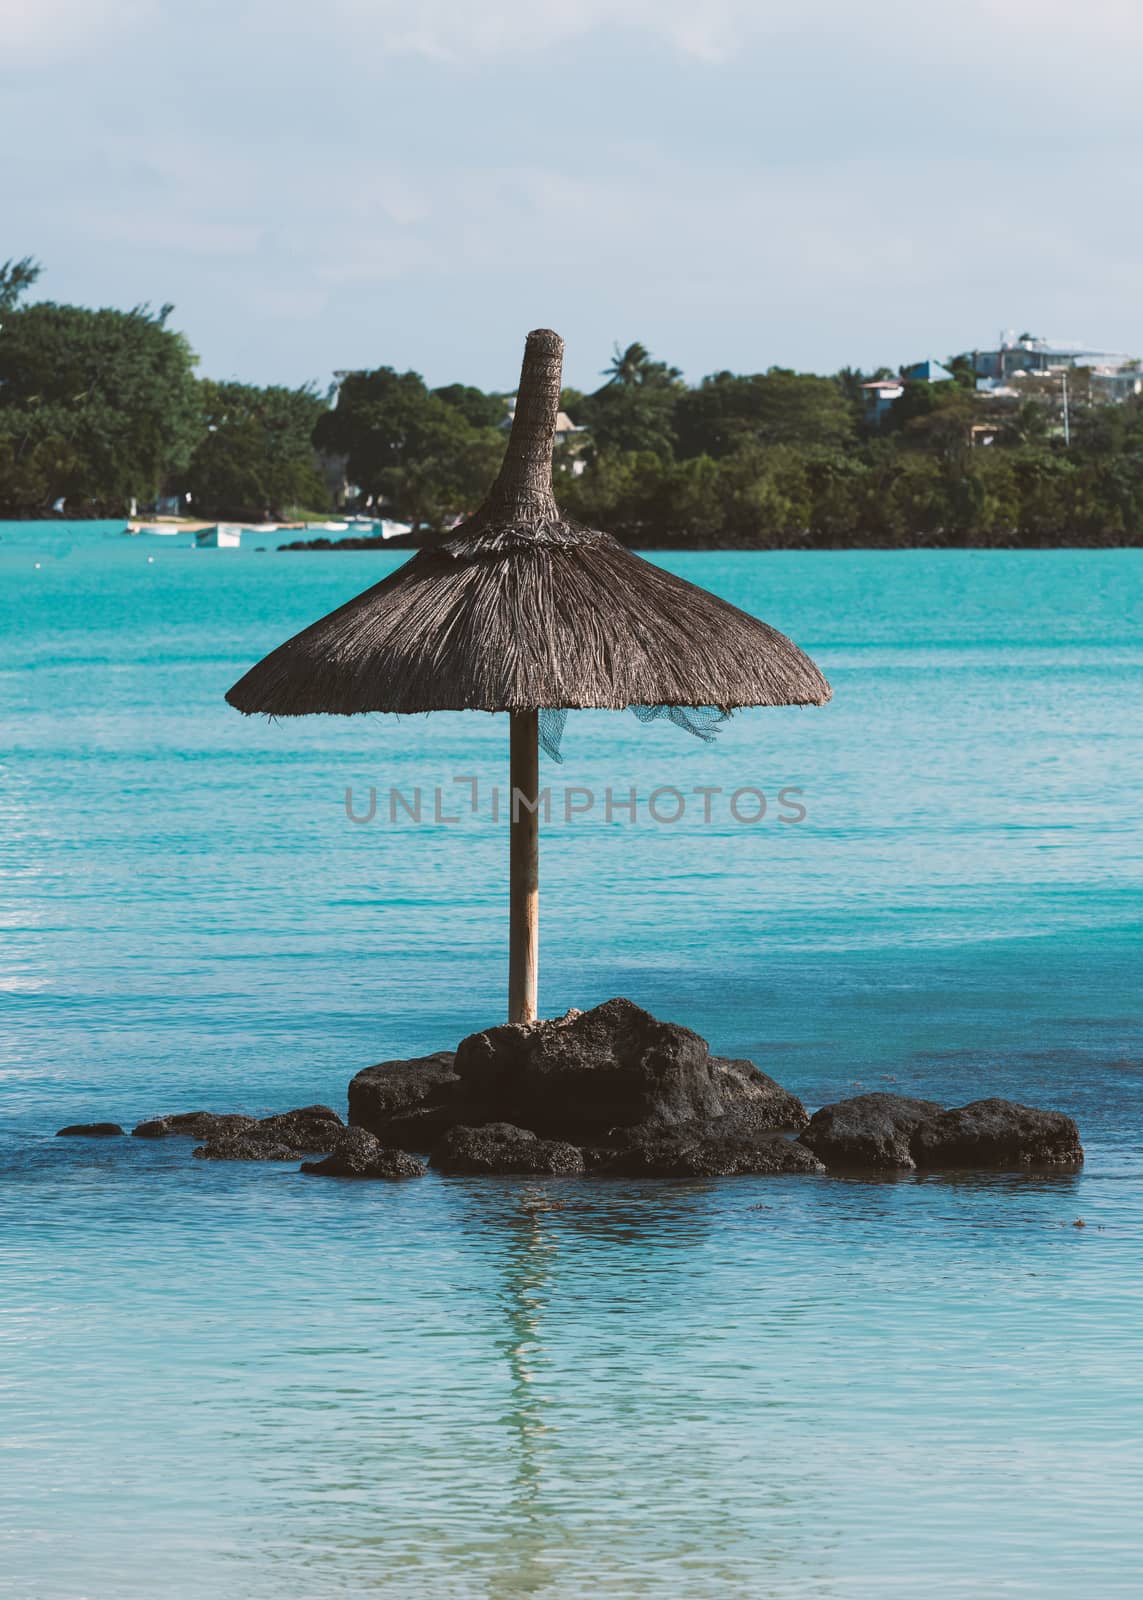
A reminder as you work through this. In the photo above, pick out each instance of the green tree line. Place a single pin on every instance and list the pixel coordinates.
(786, 459)
(102, 408)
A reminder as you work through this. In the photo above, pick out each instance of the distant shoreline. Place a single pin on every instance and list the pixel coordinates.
(679, 543)
(635, 540)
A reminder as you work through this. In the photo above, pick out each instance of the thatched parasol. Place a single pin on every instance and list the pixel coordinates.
(519, 610)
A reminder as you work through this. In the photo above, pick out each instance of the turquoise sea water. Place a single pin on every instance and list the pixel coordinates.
(232, 1380)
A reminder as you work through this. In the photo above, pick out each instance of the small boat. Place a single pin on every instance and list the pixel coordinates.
(162, 530)
(223, 536)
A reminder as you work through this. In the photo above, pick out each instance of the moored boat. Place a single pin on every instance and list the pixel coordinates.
(223, 536)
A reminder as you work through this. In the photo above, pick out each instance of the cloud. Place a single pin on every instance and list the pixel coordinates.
(736, 182)
(472, 33)
(43, 30)
(461, 31)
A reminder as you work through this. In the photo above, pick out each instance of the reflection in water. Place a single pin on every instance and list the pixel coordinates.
(471, 1387)
(625, 1366)
(529, 1262)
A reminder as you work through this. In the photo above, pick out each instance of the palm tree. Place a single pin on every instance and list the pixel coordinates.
(626, 366)
(15, 278)
(633, 366)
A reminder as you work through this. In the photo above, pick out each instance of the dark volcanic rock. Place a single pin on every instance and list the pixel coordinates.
(498, 1147)
(715, 1149)
(582, 1075)
(90, 1130)
(360, 1154)
(890, 1131)
(757, 1100)
(278, 1138)
(244, 1147)
(309, 1128)
(577, 1078)
(997, 1133)
(193, 1125)
(407, 1103)
(871, 1130)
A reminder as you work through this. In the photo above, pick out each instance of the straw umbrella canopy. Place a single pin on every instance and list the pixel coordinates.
(518, 609)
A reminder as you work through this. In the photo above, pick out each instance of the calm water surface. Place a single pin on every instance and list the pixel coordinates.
(232, 1380)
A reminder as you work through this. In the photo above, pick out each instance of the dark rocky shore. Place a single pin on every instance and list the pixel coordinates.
(614, 1092)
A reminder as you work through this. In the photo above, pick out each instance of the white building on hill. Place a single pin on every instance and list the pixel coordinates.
(1020, 368)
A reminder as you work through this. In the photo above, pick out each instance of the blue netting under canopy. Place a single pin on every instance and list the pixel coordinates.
(702, 721)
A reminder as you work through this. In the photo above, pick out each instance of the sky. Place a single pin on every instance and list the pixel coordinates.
(735, 183)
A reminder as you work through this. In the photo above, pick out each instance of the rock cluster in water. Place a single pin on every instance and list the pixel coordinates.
(309, 1129)
(196, 1125)
(614, 1091)
(892, 1133)
(357, 1153)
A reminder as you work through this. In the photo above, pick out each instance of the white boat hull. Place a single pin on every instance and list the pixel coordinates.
(226, 536)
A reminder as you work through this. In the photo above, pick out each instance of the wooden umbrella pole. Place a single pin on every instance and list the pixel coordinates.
(523, 492)
(524, 866)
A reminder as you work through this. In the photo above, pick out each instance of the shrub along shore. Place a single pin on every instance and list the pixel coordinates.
(101, 411)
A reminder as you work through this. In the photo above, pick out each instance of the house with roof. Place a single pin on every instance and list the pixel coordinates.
(1052, 371)
(570, 436)
(878, 395)
(1029, 355)
(929, 371)
(566, 429)
(1115, 376)
(876, 398)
